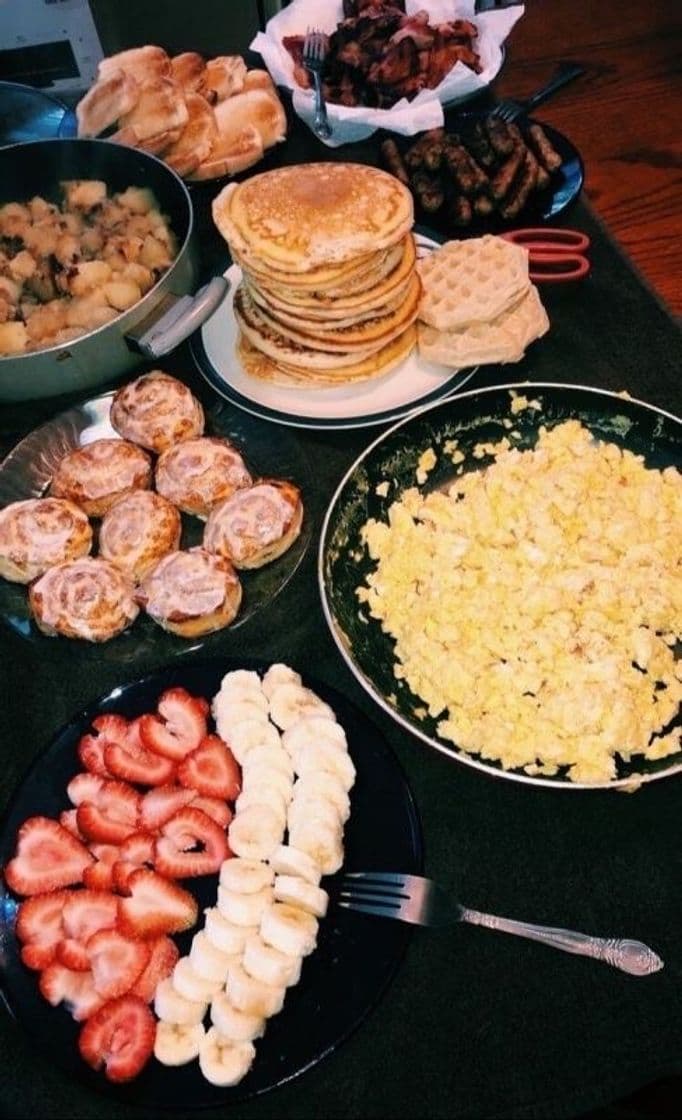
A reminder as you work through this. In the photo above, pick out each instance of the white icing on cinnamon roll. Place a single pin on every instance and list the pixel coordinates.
(87, 598)
(97, 475)
(156, 411)
(199, 473)
(191, 592)
(138, 530)
(40, 532)
(256, 525)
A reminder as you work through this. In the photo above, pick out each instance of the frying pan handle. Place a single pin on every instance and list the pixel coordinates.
(179, 320)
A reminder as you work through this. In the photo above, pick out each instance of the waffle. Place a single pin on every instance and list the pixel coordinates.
(504, 339)
(471, 281)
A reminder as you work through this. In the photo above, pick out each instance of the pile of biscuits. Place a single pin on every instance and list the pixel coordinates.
(46, 542)
(478, 304)
(329, 292)
(205, 119)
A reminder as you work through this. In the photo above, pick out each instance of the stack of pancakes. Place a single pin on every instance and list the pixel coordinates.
(329, 292)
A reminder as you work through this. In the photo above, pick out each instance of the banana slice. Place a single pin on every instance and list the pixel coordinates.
(255, 832)
(321, 783)
(246, 876)
(267, 795)
(274, 758)
(233, 712)
(173, 1008)
(222, 1061)
(253, 996)
(246, 679)
(309, 730)
(223, 934)
(252, 733)
(188, 983)
(288, 928)
(295, 891)
(267, 775)
(287, 860)
(233, 1024)
(322, 842)
(269, 965)
(177, 1044)
(291, 702)
(303, 809)
(207, 961)
(278, 674)
(243, 909)
(326, 757)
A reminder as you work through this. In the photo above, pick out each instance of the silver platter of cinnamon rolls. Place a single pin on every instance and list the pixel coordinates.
(143, 513)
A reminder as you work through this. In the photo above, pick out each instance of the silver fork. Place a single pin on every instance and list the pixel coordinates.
(410, 898)
(508, 110)
(314, 53)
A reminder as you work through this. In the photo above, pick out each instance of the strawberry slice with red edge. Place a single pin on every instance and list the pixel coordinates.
(68, 820)
(119, 1037)
(117, 962)
(75, 989)
(179, 726)
(73, 954)
(40, 927)
(163, 957)
(47, 858)
(86, 912)
(191, 844)
(98, 876)
(108, 728)
(136, 851)
(134, 762)
(162, 803)
(212, 770)
(84, 787)
(155, 906)
(218, 810)
(112, 815)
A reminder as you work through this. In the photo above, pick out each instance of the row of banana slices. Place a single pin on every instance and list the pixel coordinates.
(296, 778)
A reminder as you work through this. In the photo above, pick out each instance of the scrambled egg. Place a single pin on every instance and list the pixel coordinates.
(536, 604)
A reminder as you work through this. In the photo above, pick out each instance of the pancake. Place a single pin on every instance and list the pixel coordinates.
(358, 271)
(306, 318)
(364, 337)
(307, 216)
(257, 364)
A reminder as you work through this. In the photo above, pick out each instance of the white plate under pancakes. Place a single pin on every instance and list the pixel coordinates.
(377, 401)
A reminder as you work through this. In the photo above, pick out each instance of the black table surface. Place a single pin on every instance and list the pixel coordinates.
(474, 1024)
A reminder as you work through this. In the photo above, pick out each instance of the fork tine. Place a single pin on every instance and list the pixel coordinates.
(380, 911)
(392, 878)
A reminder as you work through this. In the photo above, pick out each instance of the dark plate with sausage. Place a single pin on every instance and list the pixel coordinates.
(480, 175)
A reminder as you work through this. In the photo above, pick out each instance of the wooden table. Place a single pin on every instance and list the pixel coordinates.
(623, 115)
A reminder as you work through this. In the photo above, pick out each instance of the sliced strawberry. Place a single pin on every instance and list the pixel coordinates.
(119, 1036)
(155, 906)
(117, 962)
(108, 728)
(98, 876)
(135, 763)
(212, 770)
(121, 801)
(40, 928)
(86, 912)
(160, 804)
(219, 811)
(73, 954)
(47, 857)
(112, 815)
(191, 844)
(68, 820)
(139, 847)
(76, 989)
(179, 726)
(162, 960)
(84, 787)
(121, 872)
(95, 824)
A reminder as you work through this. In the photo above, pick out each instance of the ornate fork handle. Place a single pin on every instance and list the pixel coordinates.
(630, 956)
(321, 123)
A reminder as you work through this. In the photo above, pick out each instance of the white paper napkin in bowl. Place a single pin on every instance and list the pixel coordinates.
(406, 117)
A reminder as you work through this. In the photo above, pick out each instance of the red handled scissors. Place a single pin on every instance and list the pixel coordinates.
(555, 255)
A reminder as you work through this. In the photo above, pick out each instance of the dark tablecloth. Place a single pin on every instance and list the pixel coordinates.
(475, 1024)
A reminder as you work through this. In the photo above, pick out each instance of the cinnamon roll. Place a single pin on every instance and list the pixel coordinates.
(199, 473)
(191, 593)
(97, 475)
(137, 531)
(39, 532)
(156, 411)
(87, 598)
(256, 525)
